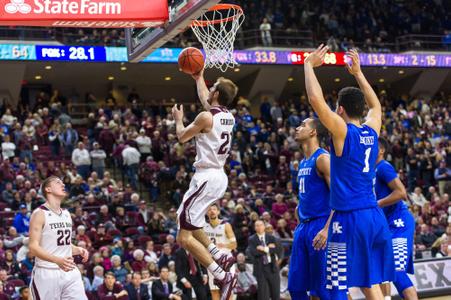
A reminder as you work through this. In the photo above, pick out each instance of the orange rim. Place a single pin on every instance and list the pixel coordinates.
(217, 7)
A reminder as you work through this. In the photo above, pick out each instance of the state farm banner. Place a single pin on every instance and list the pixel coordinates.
(84, 13)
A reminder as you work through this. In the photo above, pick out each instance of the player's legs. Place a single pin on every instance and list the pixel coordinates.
(45, 284)
(386, 289)
(186, 239)
(318, 263)
(298, 274)
(215, 294)
(73, 288)
(402, 226)
(373, 293)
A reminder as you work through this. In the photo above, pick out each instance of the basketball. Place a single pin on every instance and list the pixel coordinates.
(191, 60)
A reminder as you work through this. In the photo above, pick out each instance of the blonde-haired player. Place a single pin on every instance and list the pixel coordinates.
(55, 275)
(222, 235)
(212, 130)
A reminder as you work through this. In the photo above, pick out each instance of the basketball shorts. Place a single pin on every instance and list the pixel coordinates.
(402, 227)
(55, 284)
(206, 187)
(308, 266)
(359, 251)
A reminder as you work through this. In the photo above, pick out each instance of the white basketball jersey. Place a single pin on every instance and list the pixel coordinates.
(217, 234)
(213, 148)
(56, 237)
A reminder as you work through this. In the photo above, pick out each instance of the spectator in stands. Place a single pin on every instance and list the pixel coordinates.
(265, 33)
(144, 144)
(162, 289)
(111, 289)
(442, 175)
(149, 253)
(24, 293)
(98, 278)
(262, 250)
(417, 197)
(22, 220)
(118, 269)
(82, 160)
(137, 290)
(68, 138)
(98, 157)
(190, 275)
(8, 147)
(8, 194)
(165, 257)
(426, 238)
(131, 159)
(13, 239)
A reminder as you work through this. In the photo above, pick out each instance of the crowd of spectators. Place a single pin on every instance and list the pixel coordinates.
(370, 25)
(125, 173)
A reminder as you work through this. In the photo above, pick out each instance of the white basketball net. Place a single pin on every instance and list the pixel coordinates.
(216, 30)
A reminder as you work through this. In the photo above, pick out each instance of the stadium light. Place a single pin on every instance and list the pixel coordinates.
(38, 77)
(167, 78)
(48, 67)
(400, 72)
(290, 79)
(110, 77)
(337, 79)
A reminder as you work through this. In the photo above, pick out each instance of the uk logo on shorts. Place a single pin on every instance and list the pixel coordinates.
(400, 253)
(336, 266)
(336, 228)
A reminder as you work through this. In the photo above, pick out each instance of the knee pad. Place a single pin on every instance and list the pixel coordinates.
(402, 282)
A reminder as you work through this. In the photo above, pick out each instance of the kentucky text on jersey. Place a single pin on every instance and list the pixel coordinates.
(304, 171)
(367, 140)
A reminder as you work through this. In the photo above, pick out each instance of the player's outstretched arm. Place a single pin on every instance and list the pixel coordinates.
(202, 122)
(374, 116)
(398, 193)
(202, 89)
(37, 222)
(333, 122)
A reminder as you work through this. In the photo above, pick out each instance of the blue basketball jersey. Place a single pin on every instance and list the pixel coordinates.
(385, 173)
(313, 190)
(352, 174)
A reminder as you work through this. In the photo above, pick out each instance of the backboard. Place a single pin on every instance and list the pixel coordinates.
(143, 41)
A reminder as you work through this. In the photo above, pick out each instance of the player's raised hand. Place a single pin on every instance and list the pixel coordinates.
(66, 263)
(320, 240)
(198, 75)
(353, 62)
(316, 58)
(177, 113)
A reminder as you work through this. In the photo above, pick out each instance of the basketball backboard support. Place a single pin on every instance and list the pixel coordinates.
(143, 41)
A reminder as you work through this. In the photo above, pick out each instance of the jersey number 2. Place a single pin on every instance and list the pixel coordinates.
(224, 149)
(366, 169)
(63, 237)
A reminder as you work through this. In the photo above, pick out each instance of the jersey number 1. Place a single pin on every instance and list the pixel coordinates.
(366, 169)
(63, 237)
(224, 149)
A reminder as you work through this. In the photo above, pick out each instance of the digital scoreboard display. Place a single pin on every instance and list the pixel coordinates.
(257, 57)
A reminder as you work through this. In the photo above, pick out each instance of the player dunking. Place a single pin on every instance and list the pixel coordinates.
(213, 132)
(308, 256)
(55, 275)
(359, 251)
(222, 235)
(389, 192)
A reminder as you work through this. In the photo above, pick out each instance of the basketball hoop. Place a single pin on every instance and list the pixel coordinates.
(216, 30)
